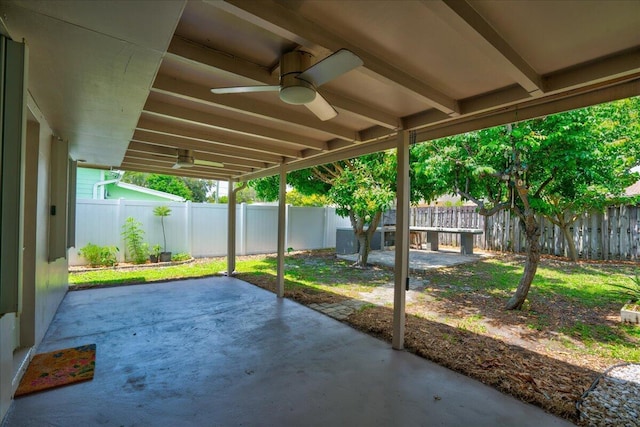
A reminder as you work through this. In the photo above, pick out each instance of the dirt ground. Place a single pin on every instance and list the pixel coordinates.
(499, 348)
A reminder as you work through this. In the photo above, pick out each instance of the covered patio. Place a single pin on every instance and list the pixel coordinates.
(127, 85)
(222, 352)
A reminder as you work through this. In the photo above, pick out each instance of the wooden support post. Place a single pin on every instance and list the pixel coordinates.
(282, 224)
(402, 241)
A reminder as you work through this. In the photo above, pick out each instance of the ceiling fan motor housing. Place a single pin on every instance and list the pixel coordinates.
(185, 158)
(292, 89)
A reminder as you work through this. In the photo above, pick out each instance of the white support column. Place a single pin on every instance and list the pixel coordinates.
(231, 230)
(402, 241)
(282, 229)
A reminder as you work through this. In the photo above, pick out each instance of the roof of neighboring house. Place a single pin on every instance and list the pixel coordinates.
(633, 189)
(144, 190)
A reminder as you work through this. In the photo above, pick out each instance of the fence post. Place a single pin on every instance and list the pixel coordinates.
(187, 226)
(119, 224)
(243, 229)
(325, 227)
(286, 228)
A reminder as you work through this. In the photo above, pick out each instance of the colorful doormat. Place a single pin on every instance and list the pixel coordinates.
(58, 368)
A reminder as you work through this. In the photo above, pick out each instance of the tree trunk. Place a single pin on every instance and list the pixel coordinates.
(364, 239)
(363, 251)
(571, 245)
(532, 232)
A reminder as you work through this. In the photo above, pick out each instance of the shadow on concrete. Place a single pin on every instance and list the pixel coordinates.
(549, 383)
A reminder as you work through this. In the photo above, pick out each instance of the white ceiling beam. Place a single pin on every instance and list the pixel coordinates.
(310, 34)
(199, 55)
(350, 152)
(624, 65)
(186, 172)
(215, 138)
(187, 51)
(251, 107)
(457, 13)
(488, 101)
(170, 161)
(536, 107)
(135, 146)
(147, 137)
(160, 164)
(189, 115)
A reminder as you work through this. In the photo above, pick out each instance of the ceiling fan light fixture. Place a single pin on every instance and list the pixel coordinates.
(296, 91)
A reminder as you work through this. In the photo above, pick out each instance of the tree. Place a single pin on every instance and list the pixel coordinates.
(193, 189)
(543, 167)
(295, 198)
(199, 188)
(169, 184)
(597, 172)
(362, 189)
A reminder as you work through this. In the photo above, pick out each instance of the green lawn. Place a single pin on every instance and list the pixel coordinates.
(561, 292)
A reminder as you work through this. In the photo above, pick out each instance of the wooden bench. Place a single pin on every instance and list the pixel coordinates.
(466, 237)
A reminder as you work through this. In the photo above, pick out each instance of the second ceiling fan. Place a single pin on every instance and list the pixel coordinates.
(299, 80)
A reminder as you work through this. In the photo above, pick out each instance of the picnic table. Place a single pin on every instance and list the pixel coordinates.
(466, 237)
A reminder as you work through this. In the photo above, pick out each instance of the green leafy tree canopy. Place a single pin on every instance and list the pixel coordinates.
(556, 167)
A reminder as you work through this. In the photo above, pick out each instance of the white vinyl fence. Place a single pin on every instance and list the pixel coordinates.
(200, 229)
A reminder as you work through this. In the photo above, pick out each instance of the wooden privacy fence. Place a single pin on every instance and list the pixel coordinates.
(610, 235)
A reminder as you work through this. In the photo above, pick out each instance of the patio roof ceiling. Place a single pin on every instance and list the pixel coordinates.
(137, 75)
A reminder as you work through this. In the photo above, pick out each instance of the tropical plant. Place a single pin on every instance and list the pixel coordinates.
(99, 255)
(631, 291)
(162, 212)
(133, 234)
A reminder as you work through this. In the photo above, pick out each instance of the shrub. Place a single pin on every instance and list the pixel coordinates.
(181, 256)
(133, 234)
(99, 255)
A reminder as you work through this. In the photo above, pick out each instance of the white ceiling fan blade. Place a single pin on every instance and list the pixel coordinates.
(209, 163)
(245, 89)
(321, 108)
(331, 67)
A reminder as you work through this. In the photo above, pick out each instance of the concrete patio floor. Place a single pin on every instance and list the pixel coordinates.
(222, 352)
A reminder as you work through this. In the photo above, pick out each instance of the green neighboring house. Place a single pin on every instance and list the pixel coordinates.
(103, 184)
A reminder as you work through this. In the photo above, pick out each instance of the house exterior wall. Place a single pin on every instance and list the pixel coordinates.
(85, 180)
(47, 284)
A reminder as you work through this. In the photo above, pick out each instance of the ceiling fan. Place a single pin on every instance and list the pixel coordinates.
(185, 159)
(299, 80)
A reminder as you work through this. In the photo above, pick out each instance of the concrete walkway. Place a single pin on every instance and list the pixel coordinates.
(221, 352)
(420, 261)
